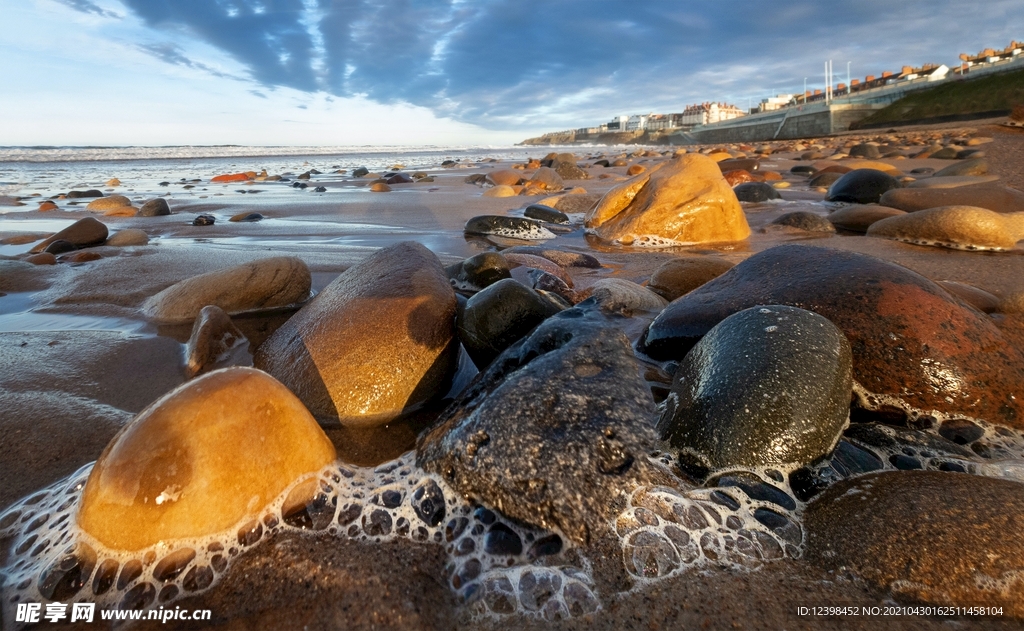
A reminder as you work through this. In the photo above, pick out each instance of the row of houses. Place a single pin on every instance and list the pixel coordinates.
(708, 112)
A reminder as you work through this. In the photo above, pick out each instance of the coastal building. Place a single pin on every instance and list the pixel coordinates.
(618, 123)
(990, 58)
(776, 102)
(931, 72)
(706, 113)
(637, 122)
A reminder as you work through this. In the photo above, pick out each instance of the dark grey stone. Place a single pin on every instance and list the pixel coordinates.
(555, 432)
(360, 172)
(805, 220)
(768, 385)
(865, 151)
(861, 186)
(510, 227)
(755, 192)
(478, 271)
(545, 213)
(499, 316)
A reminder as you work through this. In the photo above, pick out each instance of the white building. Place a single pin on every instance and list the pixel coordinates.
(705, 113)
(776, 102)
(637, 122)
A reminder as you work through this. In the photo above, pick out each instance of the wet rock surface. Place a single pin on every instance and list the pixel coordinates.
(931, 537)
(910, 339)
(860, 218)
(213, 336)
(957, 227)
(769, 385)
(803, 220)
(997, 198)
(378, 340)
(862, 186)
(755, 192)
(682, 275)
(554, 432)
(498, 316)
(686, 200)
(83, 233)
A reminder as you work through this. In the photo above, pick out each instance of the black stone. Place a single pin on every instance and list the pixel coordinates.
(320, 189)
(360, 172)
(861, 186)
(498, 316)
(204, 220)
(60, 246)
(768, 385)
(545, 213)
(89, 193)
(479, 271)
(155, 208)
(755, 192)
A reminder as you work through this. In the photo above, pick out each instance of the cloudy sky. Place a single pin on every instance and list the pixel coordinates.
(354, 72)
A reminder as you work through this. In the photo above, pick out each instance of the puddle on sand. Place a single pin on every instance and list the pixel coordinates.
(17, 314)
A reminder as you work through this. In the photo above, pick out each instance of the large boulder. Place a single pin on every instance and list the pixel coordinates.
(377, 341)
(766, 386)
(997, 198)
(928, 536)
(82, 233)
(261, 284)
(685, 200)
(957, 227)
(911, 340)
(555, 433)
(203, 459)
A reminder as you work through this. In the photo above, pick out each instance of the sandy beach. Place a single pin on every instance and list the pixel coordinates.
(83, 352)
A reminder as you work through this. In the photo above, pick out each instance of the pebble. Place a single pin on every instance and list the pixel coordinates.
(179, 470)
(498, 316)
(768, 385)
(555, 432)
(681, 276)
(545, 213)
(127, 237)
(213, 336)
(859, 218)
(861, 186)
(997, 198)
(246, 217)
(109, 203)
(755, 192)
(479, 271)
(500, 191)
(804, 220)
(262, 284)
(956, 227)
(155, 207)
(510, 227)
(619, 295)
(685, 200)
(204, 220)
(83, 233)
(375, 343)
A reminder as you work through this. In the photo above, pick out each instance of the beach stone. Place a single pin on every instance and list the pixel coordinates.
(127, 237)
(1011, 303)
(60, 246)
(360, 172)
(156, 207)
(43, 258)
(804, 220)
(619, 295)
(555, 432)
(824, 179)
(504, 177)
(857, 164)
(545, 213)
(957, 227)
(510, 227)
(83, 233)
(204, 220)
(46, 206)
(108, 203)
(927, 536)
(479, 271)
(861, 186)
(246, 217)
(833, 168)
(573, 203)
(80, 257)
(865, 150)
(738, 176)
(500, 191)
(558, 257)
(735, 164)
(973, 166)
(121, 211)
(80, 194)
(685, 200)
(381, 187)
(803, 168)
(952, 181)
(635, 169)
(568, 169)
(213, 335)
(768, 385)
(859, 218)
(499, 316)
(681, 276)
(184, 467)
(261, 284)
(113, 182)
(755, 192)
(231, 177)
(397, 178)
(547, 179)
(977, 298)
(378, 341)
(996, 198)
(946, 153)
(519, 259)
(900, 325)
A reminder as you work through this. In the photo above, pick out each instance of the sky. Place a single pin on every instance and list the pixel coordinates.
(436, 72)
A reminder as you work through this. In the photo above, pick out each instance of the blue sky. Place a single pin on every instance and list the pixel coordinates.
(355, 72)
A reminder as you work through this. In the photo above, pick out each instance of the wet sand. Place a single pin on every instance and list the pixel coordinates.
(77, 361)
